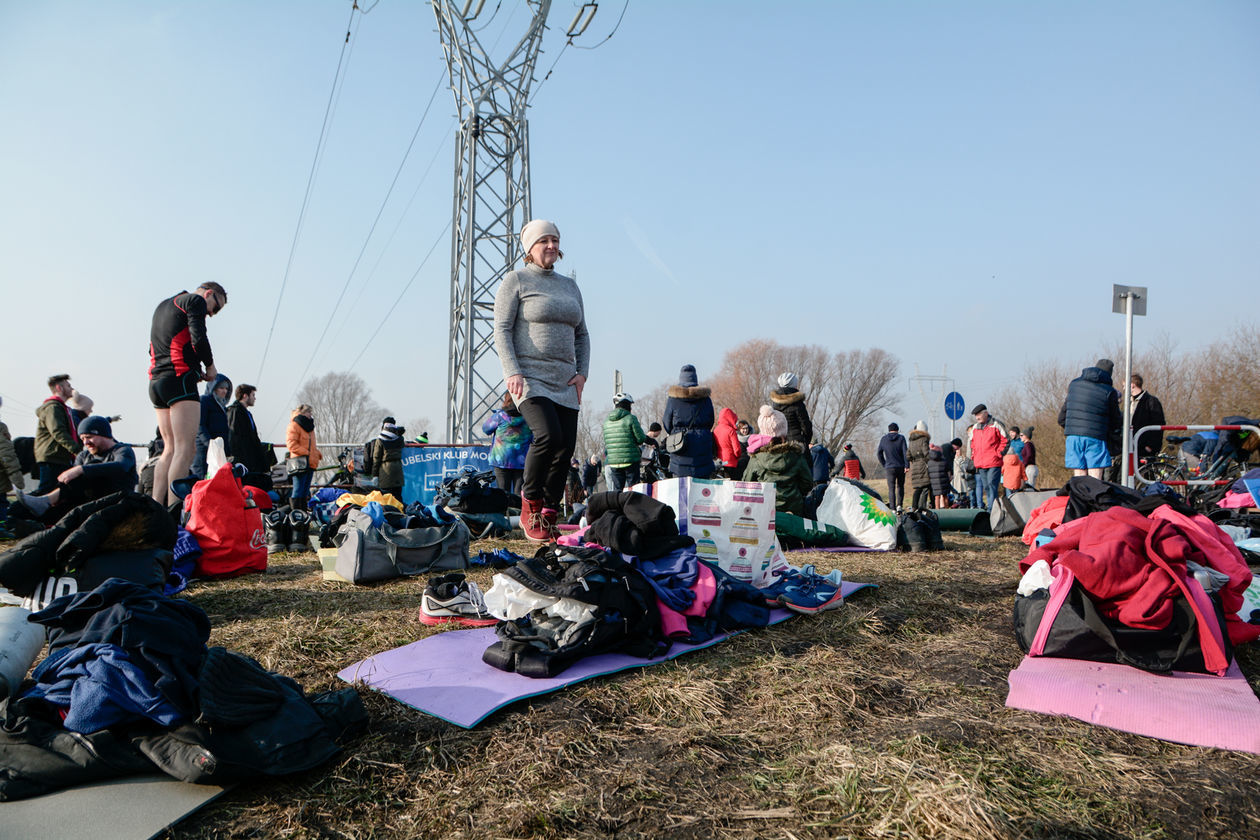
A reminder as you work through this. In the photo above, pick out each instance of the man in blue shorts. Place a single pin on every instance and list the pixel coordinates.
(1090, 418)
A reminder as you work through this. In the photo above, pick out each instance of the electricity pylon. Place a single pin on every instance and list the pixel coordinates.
(492, 199)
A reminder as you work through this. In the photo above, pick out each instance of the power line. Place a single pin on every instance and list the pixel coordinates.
(610, 34)
(398, 300)
(310, 182)
(397, 226)
(569, 43)
(384, 202)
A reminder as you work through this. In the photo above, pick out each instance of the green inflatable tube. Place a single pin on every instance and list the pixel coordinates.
(957, 519)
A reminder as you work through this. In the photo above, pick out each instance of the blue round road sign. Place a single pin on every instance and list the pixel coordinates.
(954, 405)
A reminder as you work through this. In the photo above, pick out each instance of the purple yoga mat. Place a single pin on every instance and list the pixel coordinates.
(1203, 710)
(443, 675)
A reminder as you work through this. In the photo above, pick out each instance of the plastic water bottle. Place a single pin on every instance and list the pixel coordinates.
(20, 643)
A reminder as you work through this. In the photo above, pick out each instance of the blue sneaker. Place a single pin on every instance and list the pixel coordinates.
(811, 595)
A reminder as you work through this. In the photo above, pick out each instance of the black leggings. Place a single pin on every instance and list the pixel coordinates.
(547, 462)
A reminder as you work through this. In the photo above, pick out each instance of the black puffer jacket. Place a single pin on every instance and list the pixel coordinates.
(939, 470)
(84, 533)
(1092, 407)
(792, 403)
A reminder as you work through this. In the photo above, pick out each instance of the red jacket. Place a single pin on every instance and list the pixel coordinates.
(987, 443)
(1133, 567)
(727, 438)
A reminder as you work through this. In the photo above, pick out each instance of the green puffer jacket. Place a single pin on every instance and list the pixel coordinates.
(785, 465)
(920, 449)
(622, 438)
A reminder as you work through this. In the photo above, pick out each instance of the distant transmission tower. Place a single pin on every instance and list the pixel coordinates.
(492, 200)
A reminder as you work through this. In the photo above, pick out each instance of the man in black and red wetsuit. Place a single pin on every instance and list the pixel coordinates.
(179, 358)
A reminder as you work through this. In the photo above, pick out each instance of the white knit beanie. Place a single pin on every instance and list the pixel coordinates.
(921, 426)
(535, 230)
(771, 421)
(787, 379)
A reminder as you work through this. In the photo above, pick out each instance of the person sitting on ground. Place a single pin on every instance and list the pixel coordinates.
(56, 436)
(894, 456)
(509, 446)
(387, 459)
(689, 410)
(242, 440)
(918, 449)
(622, 438)
(104, 466)
(820, 463)
(791, 402)
(782, 462)
(299, 439)
(214, 424)
(850, 464)
(771, 423)
(728, 448)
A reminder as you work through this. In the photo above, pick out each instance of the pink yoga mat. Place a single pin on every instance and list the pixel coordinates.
(443, 674)
(1203, 710)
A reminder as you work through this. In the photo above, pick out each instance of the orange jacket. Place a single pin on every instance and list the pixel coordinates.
(301, 442)
(1013, 475)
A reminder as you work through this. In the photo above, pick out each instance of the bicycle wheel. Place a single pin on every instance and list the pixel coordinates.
(1160, 468)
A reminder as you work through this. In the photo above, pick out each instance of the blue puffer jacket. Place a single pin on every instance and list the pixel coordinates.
(690, 410)
(1092, 407)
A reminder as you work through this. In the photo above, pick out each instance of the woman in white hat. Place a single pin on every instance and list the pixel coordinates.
(541, 338)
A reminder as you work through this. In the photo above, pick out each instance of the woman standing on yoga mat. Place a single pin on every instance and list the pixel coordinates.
(540, 336)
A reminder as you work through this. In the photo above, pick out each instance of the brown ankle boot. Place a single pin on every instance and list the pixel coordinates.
(532, 521)
(549, 516)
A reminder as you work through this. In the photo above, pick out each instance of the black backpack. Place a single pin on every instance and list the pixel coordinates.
(919, 530)
(471, 492)
(626, 618)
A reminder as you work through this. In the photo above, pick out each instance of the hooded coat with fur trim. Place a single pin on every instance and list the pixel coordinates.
(690, 410)
(792, 403)
(784, 464)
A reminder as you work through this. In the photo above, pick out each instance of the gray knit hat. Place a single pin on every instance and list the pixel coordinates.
(687, 376)
(787, 379)
(535, 230)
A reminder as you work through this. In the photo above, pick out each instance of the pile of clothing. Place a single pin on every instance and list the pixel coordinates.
(129, 686)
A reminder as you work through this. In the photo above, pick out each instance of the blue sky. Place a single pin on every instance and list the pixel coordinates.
(958, 183)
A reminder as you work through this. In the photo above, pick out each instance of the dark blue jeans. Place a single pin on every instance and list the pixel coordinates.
(302, 486)
(48, 477)
(988, 479)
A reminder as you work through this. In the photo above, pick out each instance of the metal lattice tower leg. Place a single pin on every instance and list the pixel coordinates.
(491, 200)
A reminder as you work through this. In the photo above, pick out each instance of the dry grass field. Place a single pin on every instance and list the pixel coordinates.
(882, 719)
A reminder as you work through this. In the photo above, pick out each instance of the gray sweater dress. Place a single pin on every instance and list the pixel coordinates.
(540, 333)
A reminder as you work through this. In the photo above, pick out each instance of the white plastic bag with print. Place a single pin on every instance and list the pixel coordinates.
(868, 521)
(732, 523)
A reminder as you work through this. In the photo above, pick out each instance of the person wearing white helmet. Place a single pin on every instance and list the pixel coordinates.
(622, 438)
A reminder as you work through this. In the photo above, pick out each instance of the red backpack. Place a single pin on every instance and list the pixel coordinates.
(227, 523)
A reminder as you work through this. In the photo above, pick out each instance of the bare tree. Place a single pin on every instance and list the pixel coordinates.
(343, 406)
(845, 391)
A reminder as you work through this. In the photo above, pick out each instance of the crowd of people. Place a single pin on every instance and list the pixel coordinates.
(543, 344)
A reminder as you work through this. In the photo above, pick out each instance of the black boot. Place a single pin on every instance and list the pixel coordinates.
(276, 524)
(300, 529)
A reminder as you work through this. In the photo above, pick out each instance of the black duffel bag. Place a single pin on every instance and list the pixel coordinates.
(1079, 631)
